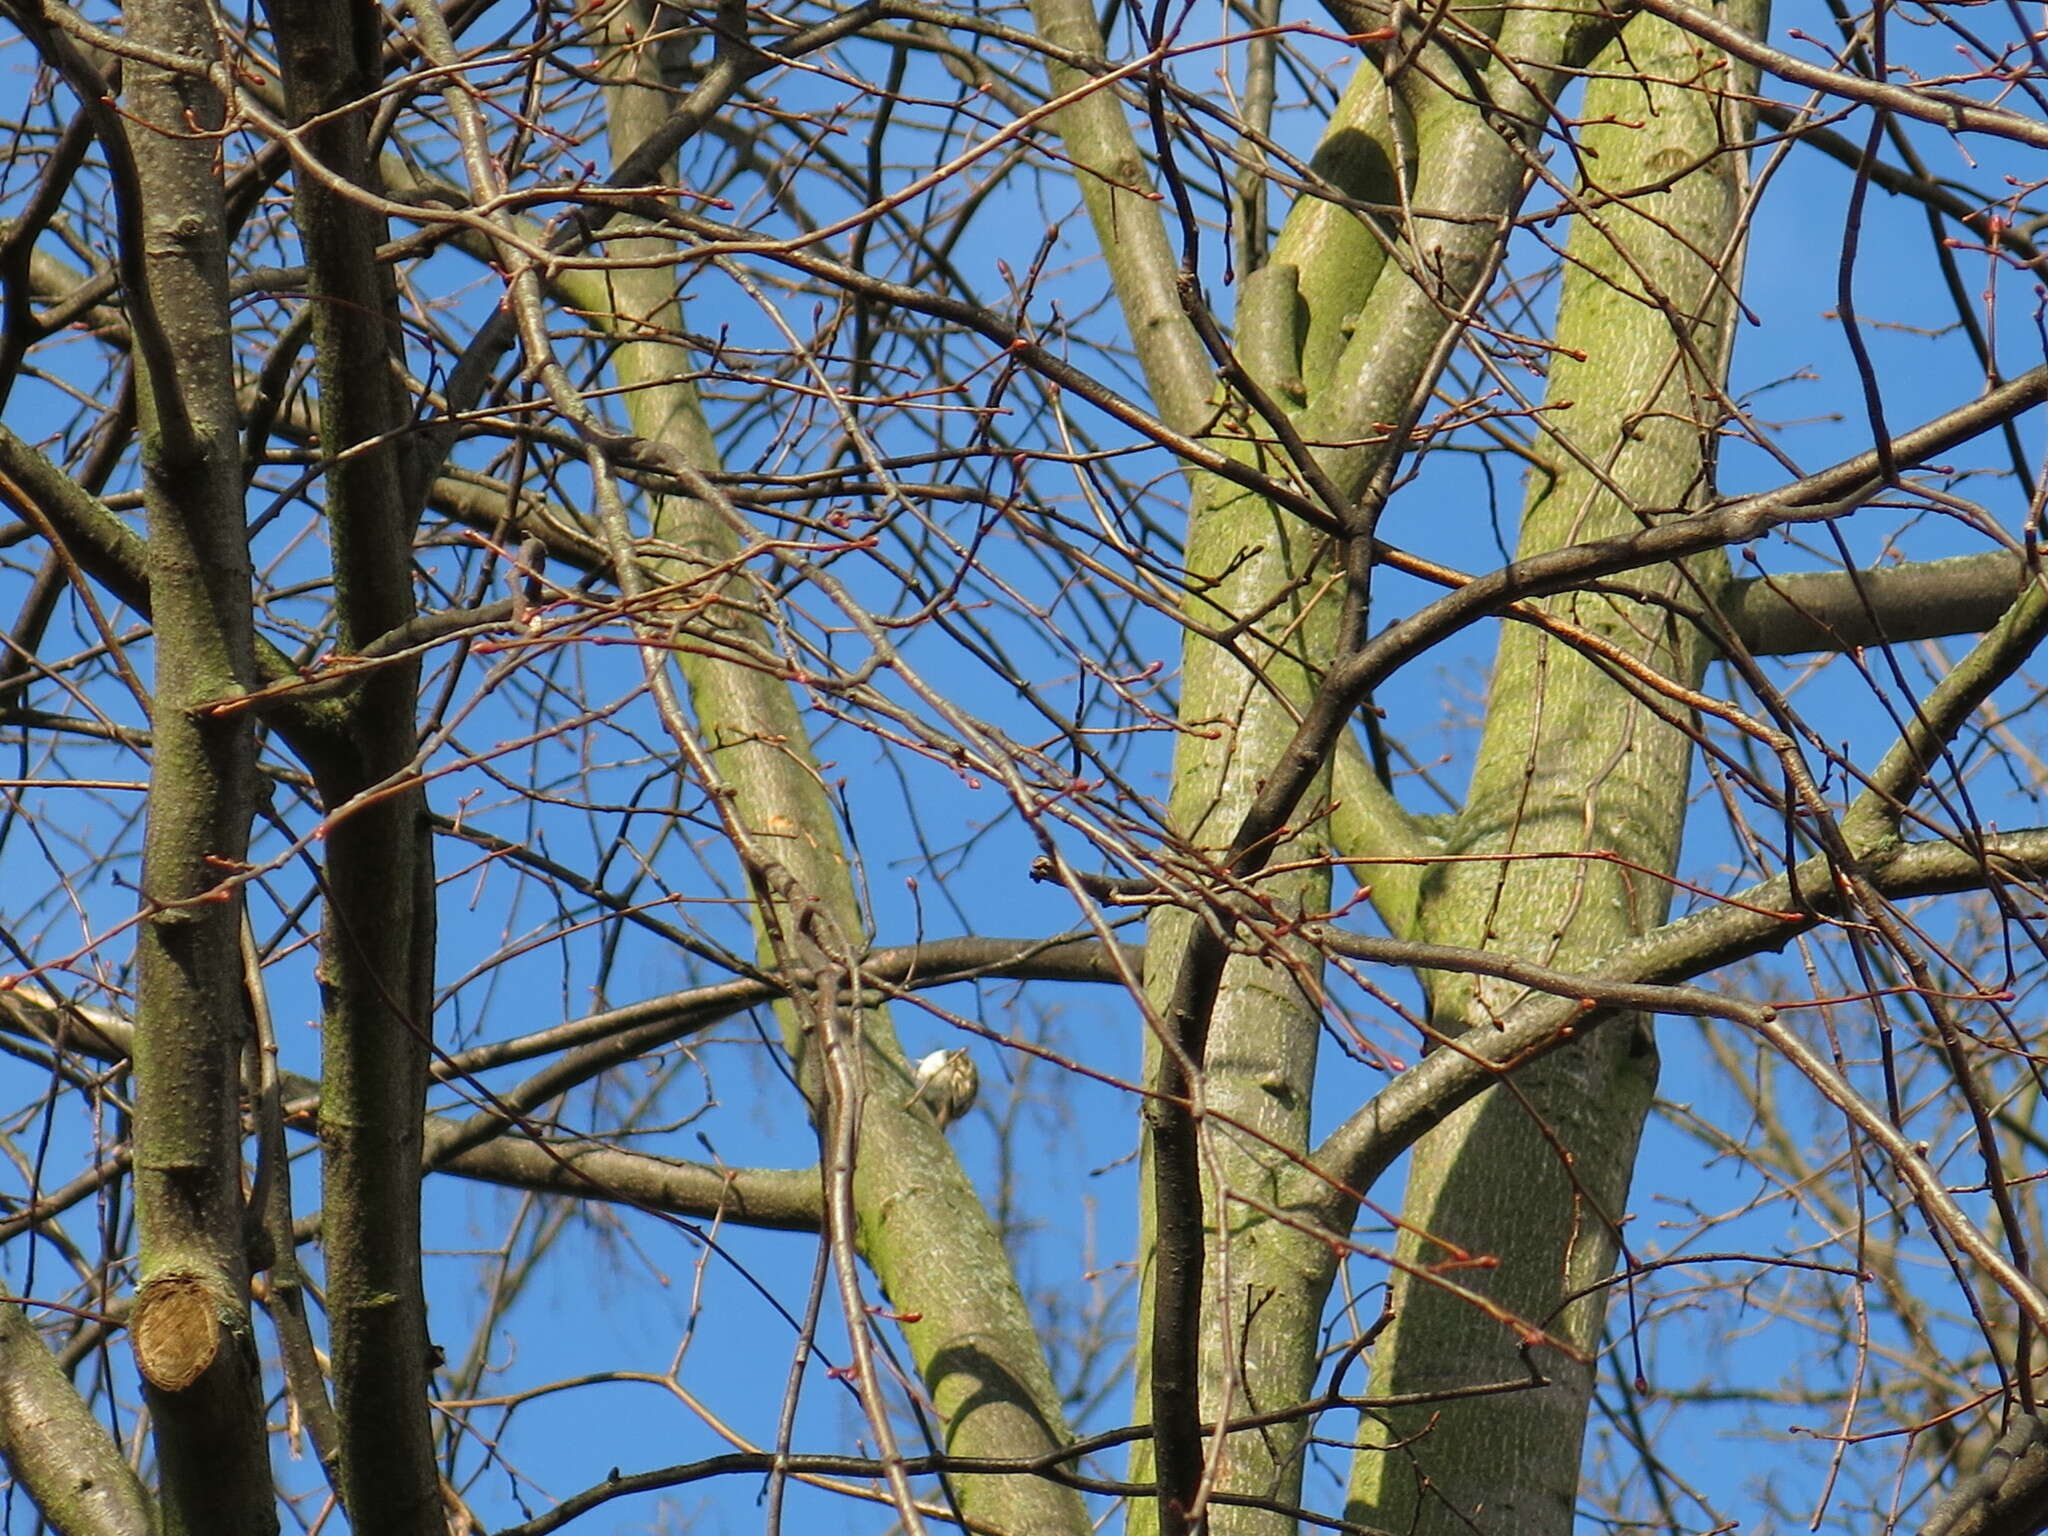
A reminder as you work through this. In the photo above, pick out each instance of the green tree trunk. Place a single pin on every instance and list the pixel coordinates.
(377, 942)
(1533, 1177)
(918, 1221)
(191, 1325)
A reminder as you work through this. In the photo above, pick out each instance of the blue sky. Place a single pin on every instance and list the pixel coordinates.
(623, 1293)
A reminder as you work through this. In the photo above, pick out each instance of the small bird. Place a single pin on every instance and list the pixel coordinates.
(947, 1082)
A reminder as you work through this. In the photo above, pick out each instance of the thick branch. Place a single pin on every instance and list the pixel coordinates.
(1886, 604)
(377, 946)
(1129, 226)
(770, 1197)
(53, 1445)
(1762, 917)
(780, 1199)
(1831, 493)
(191, 1325)
(2006, 1496)
(1949, 110)
(753, 1197)
(1368, 823)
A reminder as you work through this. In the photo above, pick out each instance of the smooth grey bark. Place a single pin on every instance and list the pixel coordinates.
(1887, 604)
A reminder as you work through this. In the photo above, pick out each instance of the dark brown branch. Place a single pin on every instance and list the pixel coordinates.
(272, 1234)
(1974, 215)
(907, 967)
(609, 1040)
(477, 1148)
(97, 544)
(767, 1197)
(1054, 1465)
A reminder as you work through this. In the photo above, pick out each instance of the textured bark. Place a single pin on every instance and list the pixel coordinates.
(921, 1225)
(191, 1327)
(1364, 337)
(1263, 1277)
(53, 1444)
(1533, 1181)
(377, 941)
(1260, 1282)
(1117, 190)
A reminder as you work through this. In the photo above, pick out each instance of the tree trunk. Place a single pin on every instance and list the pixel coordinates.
(1531, 1180)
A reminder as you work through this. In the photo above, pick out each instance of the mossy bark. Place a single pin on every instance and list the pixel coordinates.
(919, 1222)
(1532, 1181)
(191, 1327)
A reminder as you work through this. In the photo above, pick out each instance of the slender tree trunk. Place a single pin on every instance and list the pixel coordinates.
(919, 1222)
(191, 1326)
(377, 941)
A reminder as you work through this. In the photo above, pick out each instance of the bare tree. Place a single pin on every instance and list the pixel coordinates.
(1222, 571)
